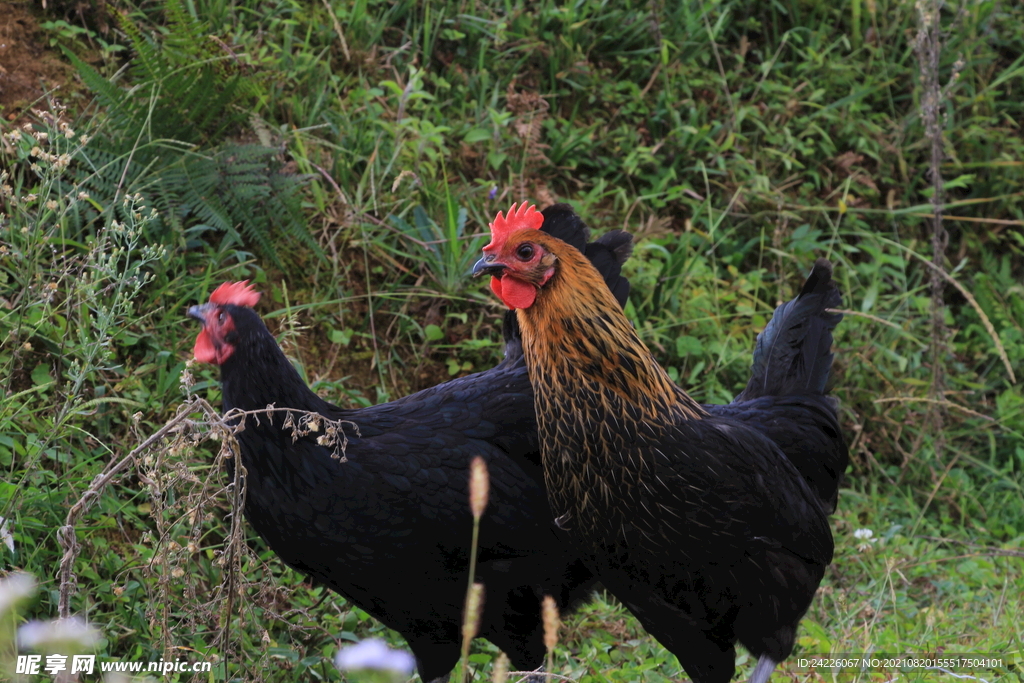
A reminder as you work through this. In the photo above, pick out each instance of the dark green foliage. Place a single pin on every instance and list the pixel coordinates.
(165, 136)
(444, 251)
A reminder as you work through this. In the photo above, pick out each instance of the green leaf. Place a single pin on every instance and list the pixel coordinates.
(960, 182)
(343, 337)
(869, 297)
(477, 135)
(686, 345)
(433, 333)
(496, 159)
(41, 375)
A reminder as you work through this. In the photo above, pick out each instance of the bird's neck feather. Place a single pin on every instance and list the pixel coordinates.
(578, 342)
(600, 397)
(259, 374)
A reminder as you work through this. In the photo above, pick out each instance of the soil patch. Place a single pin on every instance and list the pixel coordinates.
(29, 67)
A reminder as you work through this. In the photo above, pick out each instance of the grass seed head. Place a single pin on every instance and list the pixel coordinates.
(474, 606)
(499, 673)
(551, 623)
(479, 485)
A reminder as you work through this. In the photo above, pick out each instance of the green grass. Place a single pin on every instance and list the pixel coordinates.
(738, 140)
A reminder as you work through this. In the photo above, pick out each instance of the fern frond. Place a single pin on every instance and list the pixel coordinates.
(164, 138)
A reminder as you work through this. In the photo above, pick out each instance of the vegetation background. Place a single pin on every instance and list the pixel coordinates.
(347, 157)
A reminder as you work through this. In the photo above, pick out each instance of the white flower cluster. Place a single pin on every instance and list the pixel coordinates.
(69, 635)
(373, 654)
(866, 538)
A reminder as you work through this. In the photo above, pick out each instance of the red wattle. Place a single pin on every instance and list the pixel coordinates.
(515, 293)
(496, 287)
(204, 350)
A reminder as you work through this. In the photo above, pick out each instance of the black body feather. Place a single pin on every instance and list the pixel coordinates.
(793, 354)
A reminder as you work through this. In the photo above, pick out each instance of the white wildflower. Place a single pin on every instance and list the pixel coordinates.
(374, 654)
(5, 534)
(62, 634)
(15, 588)
(866, 536)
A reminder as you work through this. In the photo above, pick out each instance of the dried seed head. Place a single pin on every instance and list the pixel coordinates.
(474, 605)
(551, 623)
(479, 484)
(500, 671)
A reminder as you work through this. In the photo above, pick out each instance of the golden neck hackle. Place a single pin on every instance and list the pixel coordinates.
(575, 335)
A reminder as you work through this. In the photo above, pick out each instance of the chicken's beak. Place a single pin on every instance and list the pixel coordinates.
(199, 312)
(488, 266)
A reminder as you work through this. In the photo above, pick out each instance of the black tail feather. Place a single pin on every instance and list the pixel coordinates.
(786, 399)
(793, 354)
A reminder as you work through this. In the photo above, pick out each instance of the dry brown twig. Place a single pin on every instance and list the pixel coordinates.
(66, 534)
(195, 421)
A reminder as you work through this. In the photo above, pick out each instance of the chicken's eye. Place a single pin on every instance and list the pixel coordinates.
(524, 252)
(220, 317)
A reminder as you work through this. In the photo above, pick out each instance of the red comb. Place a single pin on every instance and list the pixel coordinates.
(237, 293)
(527, 217)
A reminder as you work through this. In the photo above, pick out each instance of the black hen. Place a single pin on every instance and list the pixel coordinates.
(698, 523)
(389, 526)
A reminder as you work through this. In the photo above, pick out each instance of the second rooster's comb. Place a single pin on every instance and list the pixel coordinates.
(527, 217)
(237, 293)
